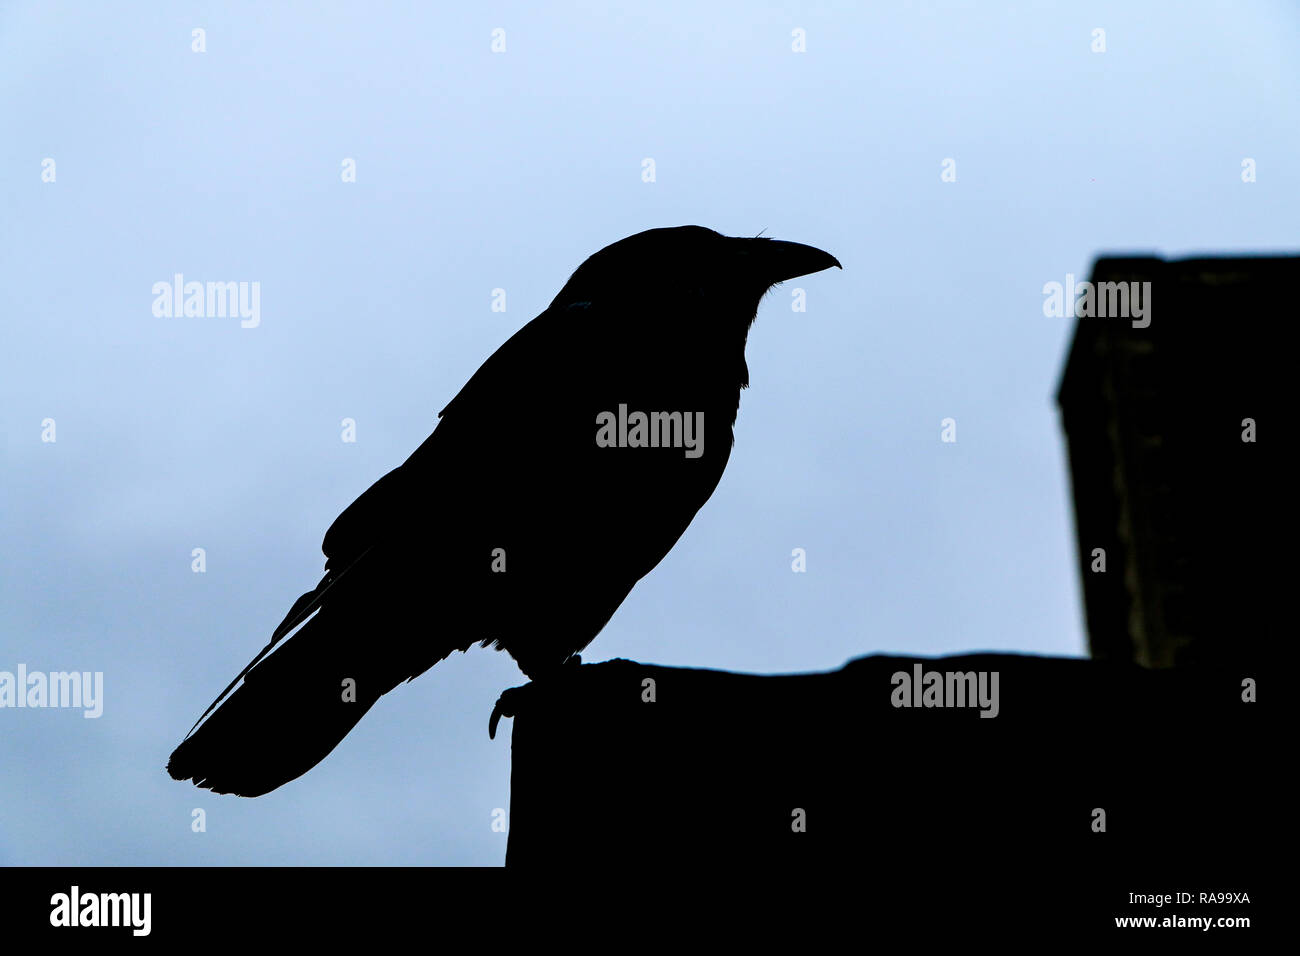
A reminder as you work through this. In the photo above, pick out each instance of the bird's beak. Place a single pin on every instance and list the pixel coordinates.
(776, 260)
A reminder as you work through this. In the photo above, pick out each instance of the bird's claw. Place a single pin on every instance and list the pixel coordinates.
(506, 706)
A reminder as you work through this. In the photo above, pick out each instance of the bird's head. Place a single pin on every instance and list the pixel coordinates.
(690, 266)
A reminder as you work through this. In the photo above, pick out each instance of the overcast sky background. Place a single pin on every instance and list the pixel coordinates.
(476, 171)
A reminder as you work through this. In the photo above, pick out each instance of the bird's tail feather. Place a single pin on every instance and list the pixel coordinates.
(292, 709)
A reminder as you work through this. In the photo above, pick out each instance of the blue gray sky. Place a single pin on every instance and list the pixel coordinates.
(478, 171)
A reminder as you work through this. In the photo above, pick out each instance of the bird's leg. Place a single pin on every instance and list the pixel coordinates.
(514, 699)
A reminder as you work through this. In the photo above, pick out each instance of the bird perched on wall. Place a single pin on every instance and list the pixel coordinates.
(561, 474)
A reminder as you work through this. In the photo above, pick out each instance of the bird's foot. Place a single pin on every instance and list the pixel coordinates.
(513, 699)
(507, 705)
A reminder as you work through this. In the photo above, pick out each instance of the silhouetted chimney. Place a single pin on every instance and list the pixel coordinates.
(1166, 418)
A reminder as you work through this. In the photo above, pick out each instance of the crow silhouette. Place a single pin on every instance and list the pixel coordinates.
(564, 470)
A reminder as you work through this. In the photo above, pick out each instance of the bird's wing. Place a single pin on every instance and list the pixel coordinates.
(425, 485)
(407, 492)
